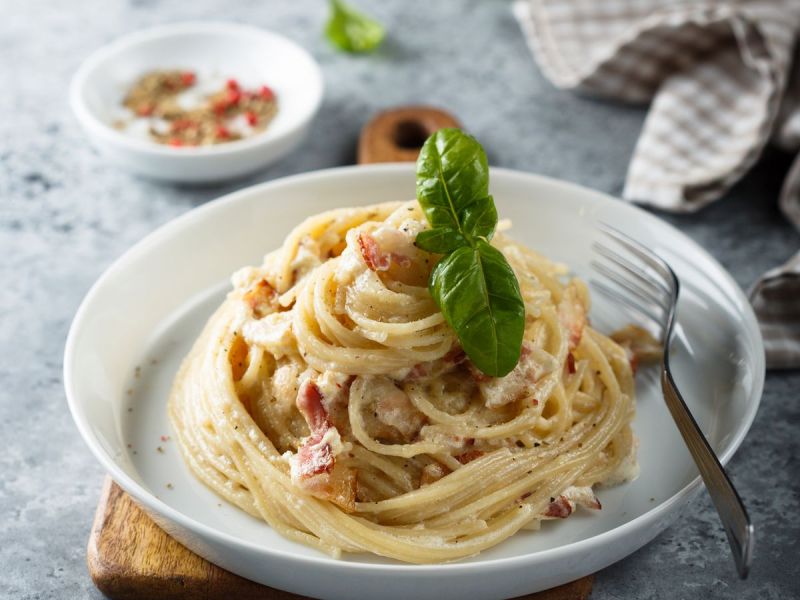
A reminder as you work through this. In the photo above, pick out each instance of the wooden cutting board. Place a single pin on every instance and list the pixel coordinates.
(131, 558)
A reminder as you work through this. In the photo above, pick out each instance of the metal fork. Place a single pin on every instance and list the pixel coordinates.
(633, 275)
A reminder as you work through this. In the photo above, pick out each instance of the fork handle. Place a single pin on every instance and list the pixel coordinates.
(726, 500)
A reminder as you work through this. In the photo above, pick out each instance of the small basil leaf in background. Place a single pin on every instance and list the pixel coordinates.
(439, 241)
(452, 171)
(479, 296)
(480, 218)
(352, 31)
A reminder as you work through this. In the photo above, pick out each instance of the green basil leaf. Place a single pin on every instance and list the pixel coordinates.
(440, 240)
(452, 171)
(351, 30)
(474, 286)
(480, 218)
(479, 296)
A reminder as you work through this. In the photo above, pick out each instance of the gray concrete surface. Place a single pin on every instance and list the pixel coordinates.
(65, 216)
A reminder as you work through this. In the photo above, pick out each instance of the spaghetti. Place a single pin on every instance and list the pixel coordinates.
(328, 397)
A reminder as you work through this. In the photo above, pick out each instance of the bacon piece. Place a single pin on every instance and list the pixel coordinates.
(573, 496)
(418, 371)
(309, 403)
(343, 486)
(582, 496)
(560, 508)
(261, 298)
(633, 359)
(314, 467)
(518, 384)
(338, 486)
(570, 363)
(469, 456)
(313, 457)
(478, 375)
(375, 259)
(335, 391)
(572, 315)
(455, 356)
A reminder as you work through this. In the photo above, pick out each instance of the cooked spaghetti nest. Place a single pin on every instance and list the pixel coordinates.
(329, 397)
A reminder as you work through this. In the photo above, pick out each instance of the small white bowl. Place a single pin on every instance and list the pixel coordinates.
(251, 55)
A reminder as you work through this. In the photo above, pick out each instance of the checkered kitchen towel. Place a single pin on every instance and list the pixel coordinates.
(717, 72)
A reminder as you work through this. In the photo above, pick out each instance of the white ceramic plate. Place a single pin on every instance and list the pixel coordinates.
(149, 306)
(250, 55)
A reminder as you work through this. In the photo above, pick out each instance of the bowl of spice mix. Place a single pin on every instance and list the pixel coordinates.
(197, 102)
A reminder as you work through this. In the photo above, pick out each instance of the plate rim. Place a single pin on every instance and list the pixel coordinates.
(151, 502)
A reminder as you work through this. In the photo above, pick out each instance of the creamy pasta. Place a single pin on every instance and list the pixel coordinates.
(329, 397)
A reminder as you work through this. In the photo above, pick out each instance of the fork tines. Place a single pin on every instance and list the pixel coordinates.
(633, 275)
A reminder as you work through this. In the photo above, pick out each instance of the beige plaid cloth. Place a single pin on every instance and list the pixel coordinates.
(720, 81)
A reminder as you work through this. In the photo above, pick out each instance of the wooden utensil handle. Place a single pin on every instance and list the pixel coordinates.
(397, 134)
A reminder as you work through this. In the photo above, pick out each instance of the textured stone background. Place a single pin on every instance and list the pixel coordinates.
(65, 216)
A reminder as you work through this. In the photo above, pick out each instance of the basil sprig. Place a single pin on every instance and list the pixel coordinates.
(473, 284)
(351, 30)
